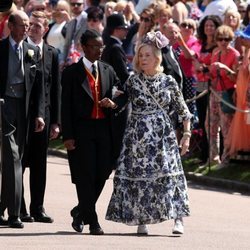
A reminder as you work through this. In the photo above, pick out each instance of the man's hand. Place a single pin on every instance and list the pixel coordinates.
(107, 103)
(39, 124)
(54, 131)
(69, 144)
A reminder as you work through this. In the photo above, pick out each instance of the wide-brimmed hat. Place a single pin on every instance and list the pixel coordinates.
(115, 21)
(244, 33)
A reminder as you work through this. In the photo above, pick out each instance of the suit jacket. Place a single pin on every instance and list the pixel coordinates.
(32, 76)
(77, 99)
(74, 32)
(52, 87)
(114, 55)
(171, 65)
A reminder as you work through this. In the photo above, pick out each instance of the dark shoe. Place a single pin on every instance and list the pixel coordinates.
(77, 224)
(95, 229)
(74, 212)
(3, 222)
(26, 218)
(15, 222)
(42, 217)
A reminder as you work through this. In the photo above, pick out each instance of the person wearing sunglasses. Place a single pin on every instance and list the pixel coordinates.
(206, 35)
(223, 72)
(86, 128)
(75, 29)
(146, 24)
(187, 48)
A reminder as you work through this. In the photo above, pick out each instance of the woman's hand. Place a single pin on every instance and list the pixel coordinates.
(184, 144)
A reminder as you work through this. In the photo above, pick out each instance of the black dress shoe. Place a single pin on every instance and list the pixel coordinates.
(77, 224)
(95, 229)
(26, 218)
(15, 222)
(3, 222)
(42, 217)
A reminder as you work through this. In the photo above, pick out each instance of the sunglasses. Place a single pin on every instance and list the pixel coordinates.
(226, 39)
(185, 25)
(76, 4)
(145, 19)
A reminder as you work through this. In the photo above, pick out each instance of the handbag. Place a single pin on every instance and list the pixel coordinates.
(227, 96)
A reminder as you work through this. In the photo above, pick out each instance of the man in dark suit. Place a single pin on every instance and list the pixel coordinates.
(169, 60)
(35, 156)
(114, 55)
(20, 80)
(86, 128)
(171, 64)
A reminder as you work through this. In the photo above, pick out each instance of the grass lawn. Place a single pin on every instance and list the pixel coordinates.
(57, 144)
(238, 171)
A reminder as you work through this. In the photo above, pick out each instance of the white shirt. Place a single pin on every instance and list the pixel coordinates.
(13, 43)
(117, 39)
(141, 5)
(40, 45)
(88, 64)
(219, 7)
(55, 37)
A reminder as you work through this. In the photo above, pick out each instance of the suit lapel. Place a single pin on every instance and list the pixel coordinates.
(25, 64)
(47, 59)
(83, 79)
(103, 78)
(5, 60)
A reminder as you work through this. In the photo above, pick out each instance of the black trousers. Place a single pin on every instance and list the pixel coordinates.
(35, 158)
(90, 165)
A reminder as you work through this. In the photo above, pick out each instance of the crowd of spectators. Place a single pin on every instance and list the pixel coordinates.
(210, 44)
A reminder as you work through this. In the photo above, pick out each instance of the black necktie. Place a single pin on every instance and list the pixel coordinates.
(94, 72)
(39, 52)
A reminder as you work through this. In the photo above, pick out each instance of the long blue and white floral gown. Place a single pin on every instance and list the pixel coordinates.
(149, 182)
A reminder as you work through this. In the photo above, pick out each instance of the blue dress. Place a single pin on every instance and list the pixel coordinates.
(149, 182)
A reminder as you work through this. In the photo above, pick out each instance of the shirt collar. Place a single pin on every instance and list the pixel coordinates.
(40, 45)
(13, 42)
(117, 39)
(88, 64)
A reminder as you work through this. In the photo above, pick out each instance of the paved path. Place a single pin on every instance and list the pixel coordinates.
(219, 220)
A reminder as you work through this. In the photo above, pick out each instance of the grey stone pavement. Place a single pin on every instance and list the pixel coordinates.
(220, 219)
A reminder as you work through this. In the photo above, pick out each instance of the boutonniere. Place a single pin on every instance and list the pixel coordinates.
(31, 53)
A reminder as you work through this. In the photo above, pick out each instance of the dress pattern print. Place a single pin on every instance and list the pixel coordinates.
(149, 182)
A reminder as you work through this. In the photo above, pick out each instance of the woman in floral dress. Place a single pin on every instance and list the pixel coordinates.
(149, 182)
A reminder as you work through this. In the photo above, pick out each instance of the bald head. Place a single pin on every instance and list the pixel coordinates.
(171, 31)
(18, 14)
(18, 24)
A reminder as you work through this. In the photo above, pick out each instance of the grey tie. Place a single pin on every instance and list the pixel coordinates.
(17, 51)
(94, 72)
